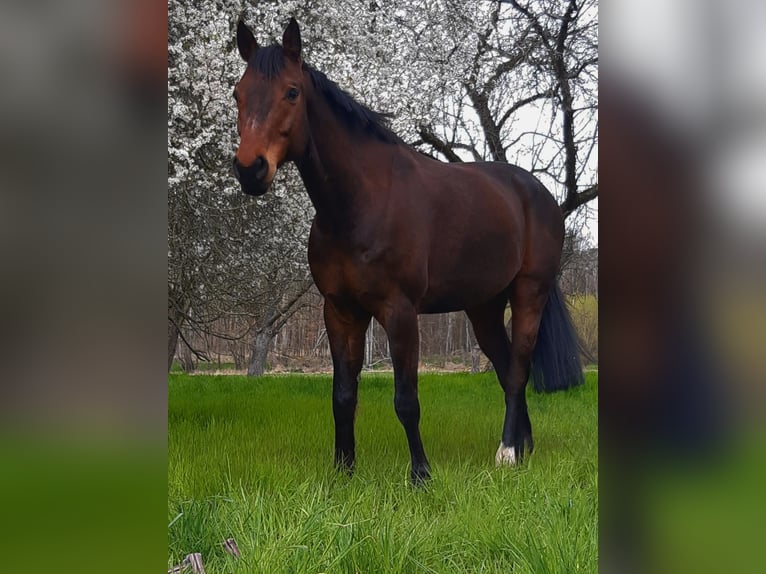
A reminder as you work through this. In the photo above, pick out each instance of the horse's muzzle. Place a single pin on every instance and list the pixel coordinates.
(252, 177)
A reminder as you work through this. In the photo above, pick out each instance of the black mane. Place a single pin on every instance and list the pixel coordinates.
(269, 61)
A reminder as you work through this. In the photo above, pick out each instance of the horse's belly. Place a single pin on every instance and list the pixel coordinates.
(473, 283)
(459, 299)
(431, 305)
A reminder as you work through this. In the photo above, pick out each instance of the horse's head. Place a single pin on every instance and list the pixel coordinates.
(270, 96)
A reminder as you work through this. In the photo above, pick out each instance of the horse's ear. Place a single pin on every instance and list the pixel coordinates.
(246, 43)
(291, 41)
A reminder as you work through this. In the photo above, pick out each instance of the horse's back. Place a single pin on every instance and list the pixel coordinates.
(543, 221)
(495, 192)
(492, 221)
(488, 182)
(518, 182)
(471, 221)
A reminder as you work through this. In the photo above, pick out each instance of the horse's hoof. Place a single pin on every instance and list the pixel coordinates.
(420, 477)
(344, 469)
(505, 455)
(347, 471)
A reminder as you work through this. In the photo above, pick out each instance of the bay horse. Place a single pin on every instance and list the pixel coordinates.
(397, 233)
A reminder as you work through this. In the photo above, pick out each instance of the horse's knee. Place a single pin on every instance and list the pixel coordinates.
(344, 397)
(407, 406)
(344, 403)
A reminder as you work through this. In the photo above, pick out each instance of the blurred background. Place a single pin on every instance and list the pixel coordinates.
(682, 299)
(83, 216)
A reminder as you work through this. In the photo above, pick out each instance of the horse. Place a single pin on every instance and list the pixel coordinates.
(397, 233)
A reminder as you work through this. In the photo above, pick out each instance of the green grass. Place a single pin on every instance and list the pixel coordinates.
(252, 459)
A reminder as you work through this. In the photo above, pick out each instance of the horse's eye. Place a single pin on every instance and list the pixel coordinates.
(292, 94)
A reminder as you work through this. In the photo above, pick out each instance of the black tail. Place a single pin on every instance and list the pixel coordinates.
(556, 359)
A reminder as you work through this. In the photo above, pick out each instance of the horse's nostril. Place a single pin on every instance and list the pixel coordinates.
(256, 172)
(261, 167)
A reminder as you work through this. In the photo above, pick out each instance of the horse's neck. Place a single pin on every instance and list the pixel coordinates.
(336, 169)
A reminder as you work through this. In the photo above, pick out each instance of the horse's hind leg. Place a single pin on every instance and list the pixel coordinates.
(528, 298)
(400, 321)
(489, 327)
(346, 334)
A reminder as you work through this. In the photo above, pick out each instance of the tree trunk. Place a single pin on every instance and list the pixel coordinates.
(369, 342)
(172, 342)
(260, 352)
(475, 359)
(188, 362)
(448, 339)
(176, 316)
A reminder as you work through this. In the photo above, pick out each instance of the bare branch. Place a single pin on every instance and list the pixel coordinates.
(575, 200)
(520, 104)
(442, 147)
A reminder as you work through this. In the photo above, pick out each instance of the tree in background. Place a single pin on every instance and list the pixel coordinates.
(516, 82)
(236, 265)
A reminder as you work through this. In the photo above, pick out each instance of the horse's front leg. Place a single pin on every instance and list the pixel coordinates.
(346, 333)
(400, 321)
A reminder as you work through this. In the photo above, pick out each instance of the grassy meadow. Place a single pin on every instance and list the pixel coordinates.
(252, 459)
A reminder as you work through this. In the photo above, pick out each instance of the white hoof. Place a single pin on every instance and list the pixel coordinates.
(505, 456)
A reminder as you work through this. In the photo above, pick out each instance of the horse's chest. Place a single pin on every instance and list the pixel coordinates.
(338, 269)
(366, 275)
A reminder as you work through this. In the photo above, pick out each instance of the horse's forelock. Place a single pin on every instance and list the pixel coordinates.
(269, 61)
